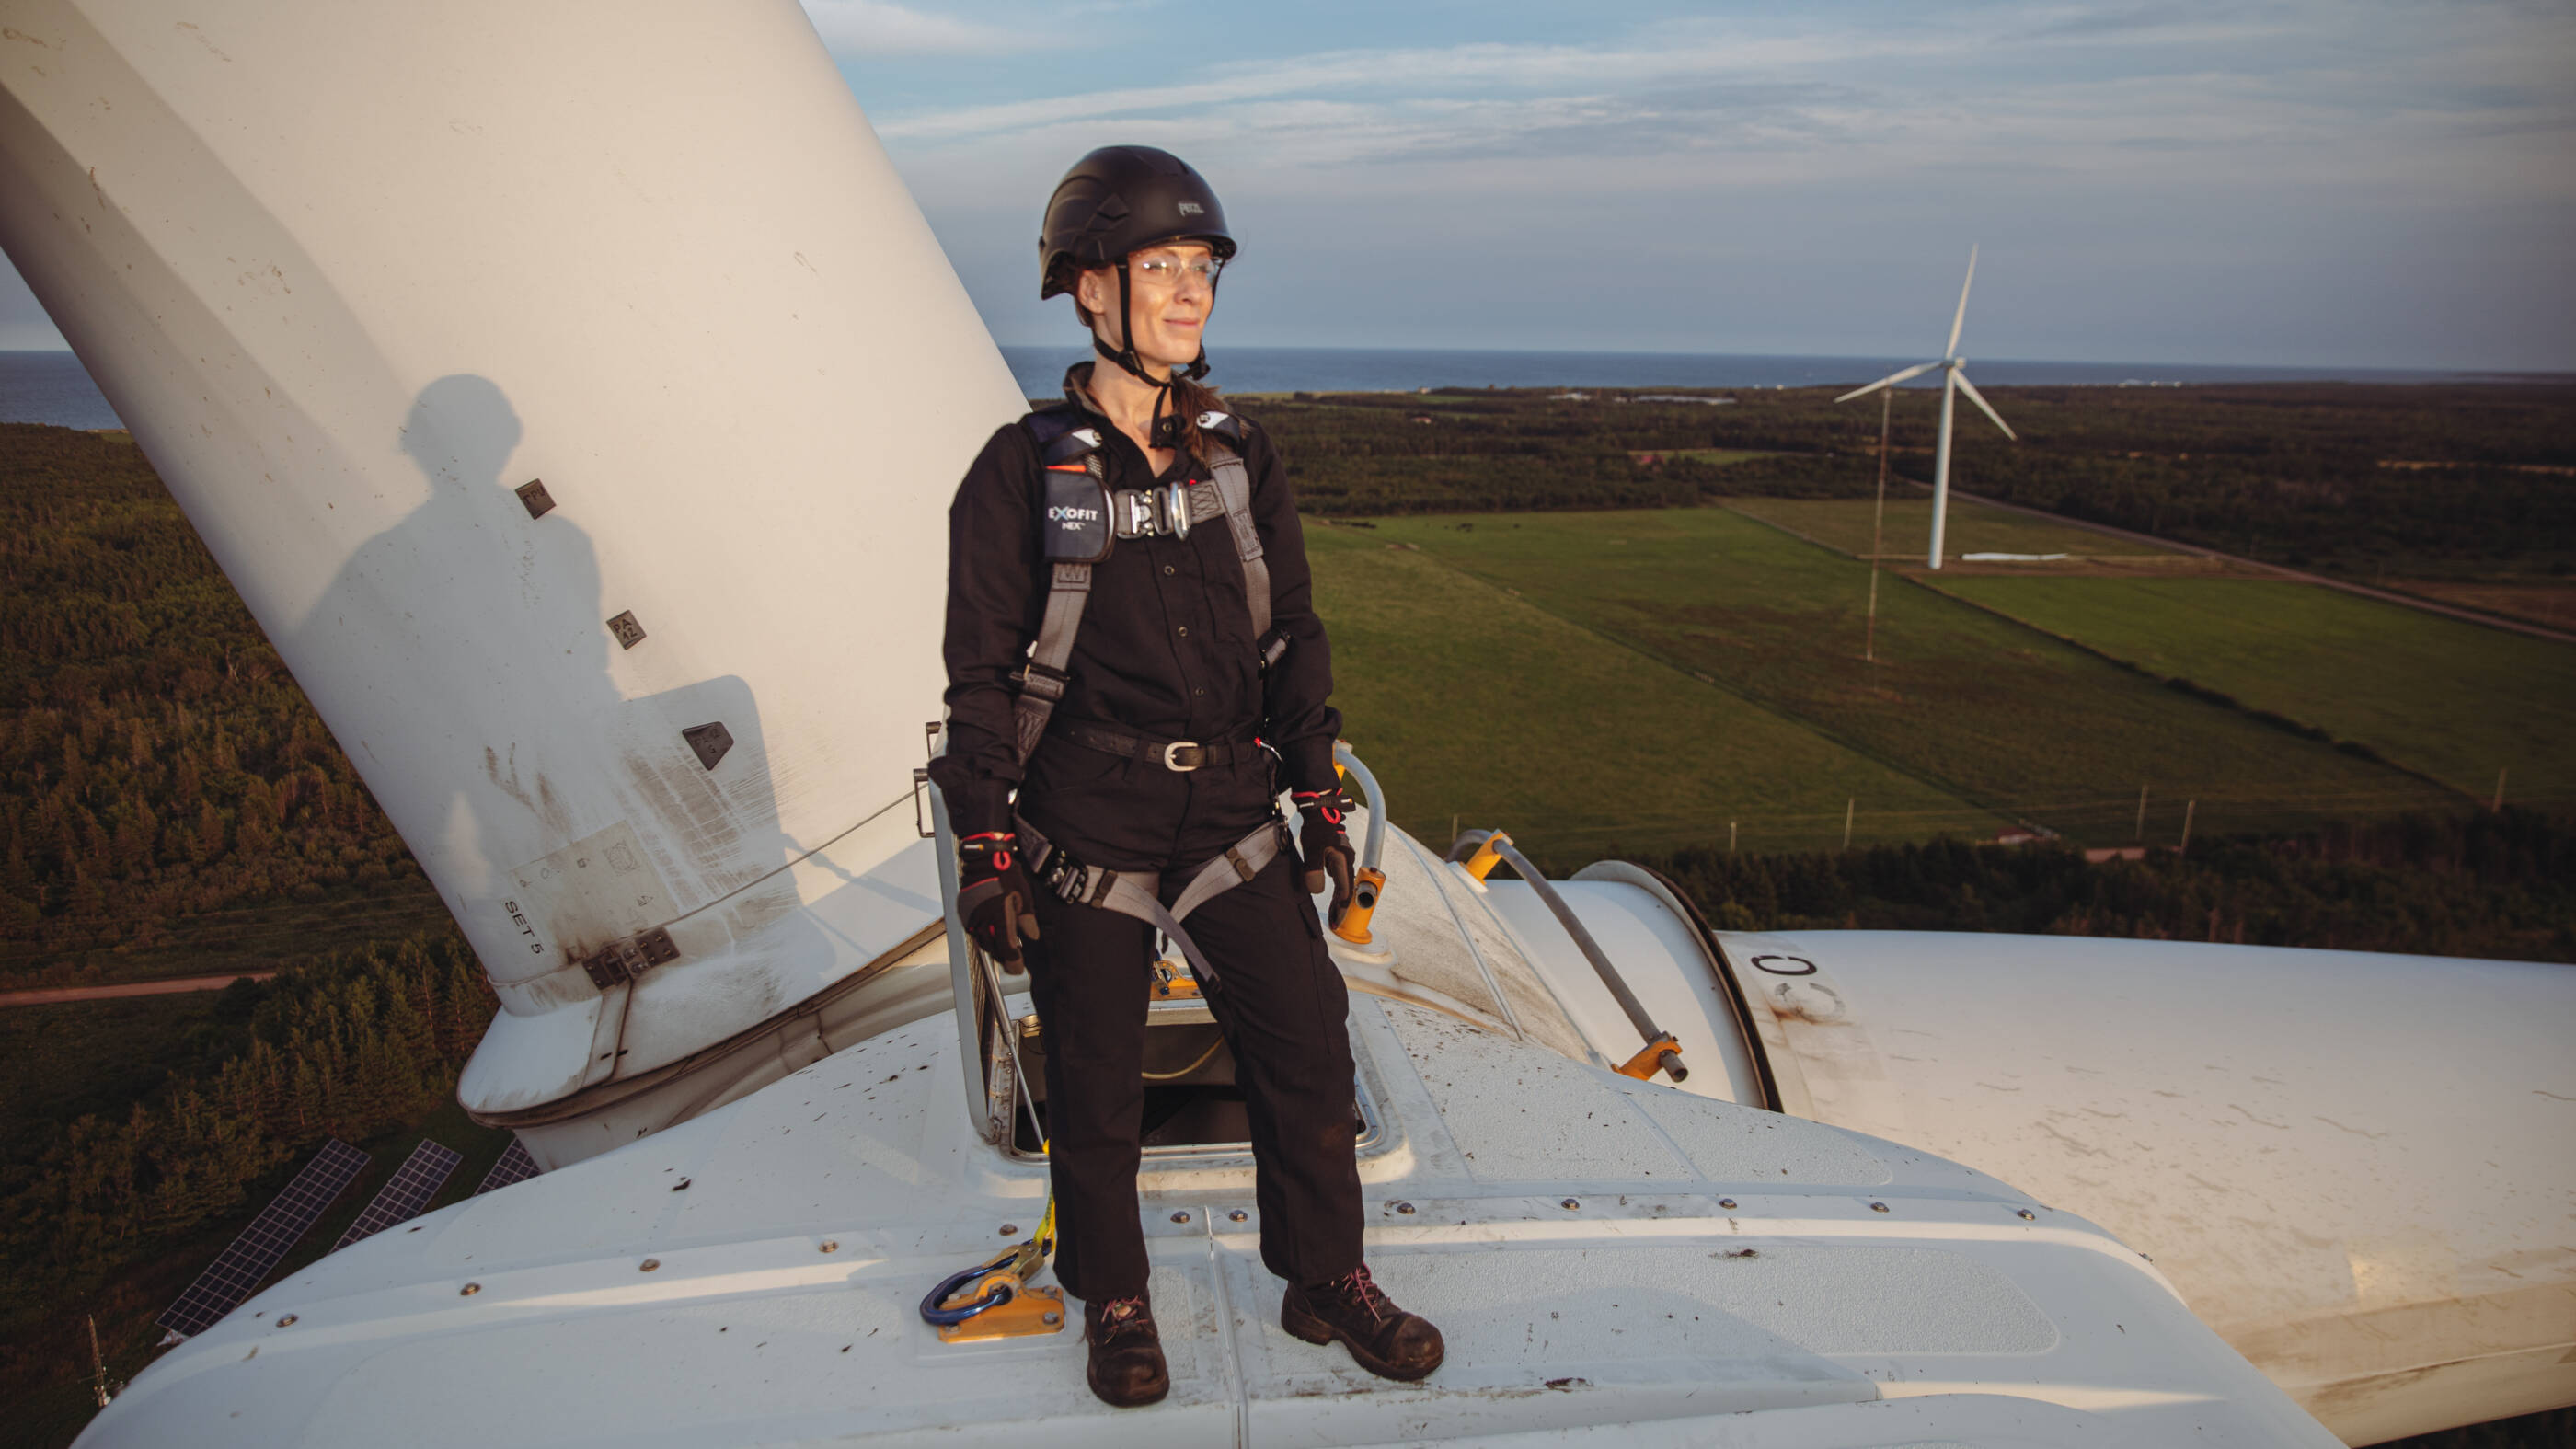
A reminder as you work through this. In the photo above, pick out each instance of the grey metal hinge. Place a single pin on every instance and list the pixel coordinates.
(619, 962)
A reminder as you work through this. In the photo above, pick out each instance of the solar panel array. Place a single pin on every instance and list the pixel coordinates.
(236, 1272)
(401, 1199)
(515, 1166)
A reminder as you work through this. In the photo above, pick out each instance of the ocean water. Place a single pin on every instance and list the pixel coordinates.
(1040, 370)
(50, 387)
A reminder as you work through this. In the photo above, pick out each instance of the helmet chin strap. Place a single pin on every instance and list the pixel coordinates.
(1164, 430)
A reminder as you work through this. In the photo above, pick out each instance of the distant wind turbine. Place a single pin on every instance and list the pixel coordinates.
(1953, 382)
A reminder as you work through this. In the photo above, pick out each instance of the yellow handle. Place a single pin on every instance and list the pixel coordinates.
(1647, 1062)
(1354, 924)
(1488, 855)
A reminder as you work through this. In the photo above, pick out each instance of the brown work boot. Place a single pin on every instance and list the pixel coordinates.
(1126, 1352)
(1382, 1338)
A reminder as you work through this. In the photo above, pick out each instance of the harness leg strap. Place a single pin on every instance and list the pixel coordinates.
(1138, 893)
(1242, 861)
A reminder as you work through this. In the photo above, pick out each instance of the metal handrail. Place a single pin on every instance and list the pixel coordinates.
(1661, 1048)
(1712, 952)
(1373, 845)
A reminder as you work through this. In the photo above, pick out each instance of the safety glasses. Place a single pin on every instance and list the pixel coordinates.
(1166, 273)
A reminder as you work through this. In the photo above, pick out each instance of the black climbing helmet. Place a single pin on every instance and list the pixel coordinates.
(1117, 200)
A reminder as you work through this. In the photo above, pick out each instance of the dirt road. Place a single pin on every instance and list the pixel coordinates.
(47, 996)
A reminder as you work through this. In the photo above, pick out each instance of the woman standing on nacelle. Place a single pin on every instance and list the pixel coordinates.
(1132, 647)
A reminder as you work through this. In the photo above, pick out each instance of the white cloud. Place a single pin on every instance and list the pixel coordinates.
(2247, 179)
(2044, 90)
(870, 29)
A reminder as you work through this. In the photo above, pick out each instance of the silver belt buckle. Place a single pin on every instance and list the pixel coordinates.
(1172, 753)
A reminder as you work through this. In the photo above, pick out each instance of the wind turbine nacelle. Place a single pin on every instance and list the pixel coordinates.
(542, 399)
(2356, 1167)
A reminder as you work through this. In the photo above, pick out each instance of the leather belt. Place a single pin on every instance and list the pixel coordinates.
(1176, 755)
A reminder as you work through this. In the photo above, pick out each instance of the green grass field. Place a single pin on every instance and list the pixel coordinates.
(2455, 700)
(1844, 523)
(1962, 704)
(1464, 700)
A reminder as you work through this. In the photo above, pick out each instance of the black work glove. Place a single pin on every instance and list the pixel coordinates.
(993, 895)
(1325, 846)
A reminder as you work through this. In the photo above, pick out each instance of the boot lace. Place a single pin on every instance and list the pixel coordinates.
(1121, 1315)
(1358, 1287)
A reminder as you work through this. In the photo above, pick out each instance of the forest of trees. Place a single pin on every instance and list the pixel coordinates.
(349, 1046)
(2499, 885)
(157, 762)
(2297, 474)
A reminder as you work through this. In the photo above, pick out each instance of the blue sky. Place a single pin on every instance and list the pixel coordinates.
(2336, 182)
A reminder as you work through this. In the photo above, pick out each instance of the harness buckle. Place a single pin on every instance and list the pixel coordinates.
(1172, 759)
(1138, 519)
(1035, 678)
(1065, 876)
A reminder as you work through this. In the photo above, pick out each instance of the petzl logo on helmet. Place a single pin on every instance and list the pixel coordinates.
(1192, 208)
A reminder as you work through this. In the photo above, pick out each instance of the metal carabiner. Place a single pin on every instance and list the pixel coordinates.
(1003, 1288)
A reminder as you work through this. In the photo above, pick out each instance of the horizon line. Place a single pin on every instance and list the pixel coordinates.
(2517, 373)
(2548, 374)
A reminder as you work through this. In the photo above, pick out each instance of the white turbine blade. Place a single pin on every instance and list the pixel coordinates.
(1961, 319)
(1979, 399)
(1891, 380)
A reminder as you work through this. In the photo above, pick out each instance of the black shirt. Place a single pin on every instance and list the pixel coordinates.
(1166, 647)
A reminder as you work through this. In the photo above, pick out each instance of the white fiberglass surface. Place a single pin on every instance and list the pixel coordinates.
(539, 406)
(2359, 1168)
(750, 1276)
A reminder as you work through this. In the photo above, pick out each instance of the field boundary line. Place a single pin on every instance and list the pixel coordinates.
(1726, 507)
(1723, 687)
(2209, 695)
(2385, 596)
(2215, 698)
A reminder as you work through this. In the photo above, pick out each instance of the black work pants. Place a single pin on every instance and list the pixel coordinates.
(1282, 1009)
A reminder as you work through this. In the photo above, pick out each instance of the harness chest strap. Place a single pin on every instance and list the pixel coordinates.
(1074, 543)
(1234, 488)
(1043, 677)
